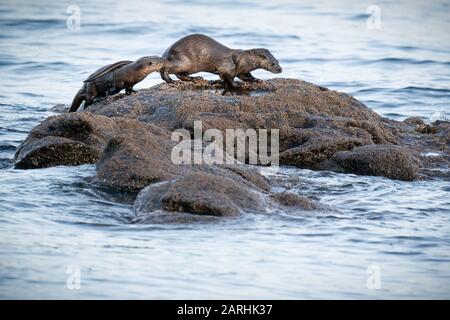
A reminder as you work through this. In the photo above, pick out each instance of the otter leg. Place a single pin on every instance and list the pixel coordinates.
(78, 99)
(129, 90)
(165, 76)
(113, 91)
(248, 77)
(185, 77)
(229, 82)
(88, 102)
(91, 94)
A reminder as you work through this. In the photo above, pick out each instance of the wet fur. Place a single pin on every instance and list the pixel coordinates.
(200, 53)
(116, 80)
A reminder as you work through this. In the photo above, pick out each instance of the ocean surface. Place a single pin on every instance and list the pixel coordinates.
(62, 236)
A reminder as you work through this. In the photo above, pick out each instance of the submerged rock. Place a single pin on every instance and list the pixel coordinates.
(200, 193)
(293, 200)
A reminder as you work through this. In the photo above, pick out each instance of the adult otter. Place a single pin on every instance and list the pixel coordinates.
(198, 52)
(112, 78)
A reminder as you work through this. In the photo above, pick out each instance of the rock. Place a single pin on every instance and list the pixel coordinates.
(140, 154)
(426, 129)
(249, 174)
(390, 161)
(293, 200)
(433, 148)
(129, 138)
(314, 122)
(200, 193)
(60, 108)
(129, 154)
(67, 139)
(313, 153)
(54, 151)
(267, 104)
(420, 125)
(414, 121)
(137, 156)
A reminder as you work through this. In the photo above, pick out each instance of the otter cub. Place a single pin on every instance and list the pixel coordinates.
(200, 53)
(112, 78)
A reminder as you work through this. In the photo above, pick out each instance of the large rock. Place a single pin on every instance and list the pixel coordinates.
(273, 103)
(204, 195)
(68, 139)
(200, 193)
(377, 160)
(304, 113)
(53, 151)
(138, 155)
(315, 123)
(129, 138)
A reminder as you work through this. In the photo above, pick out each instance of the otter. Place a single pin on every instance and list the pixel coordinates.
(112, 78)
(200, 53)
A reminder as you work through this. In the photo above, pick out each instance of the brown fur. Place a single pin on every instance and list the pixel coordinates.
(103, 83)
(200, 53)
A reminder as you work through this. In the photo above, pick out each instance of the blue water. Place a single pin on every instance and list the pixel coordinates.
(58, 218)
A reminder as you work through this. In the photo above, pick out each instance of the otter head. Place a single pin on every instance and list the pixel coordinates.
(266, 60)
(150, 64)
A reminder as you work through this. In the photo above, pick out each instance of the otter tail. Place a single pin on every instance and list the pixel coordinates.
(78, 99)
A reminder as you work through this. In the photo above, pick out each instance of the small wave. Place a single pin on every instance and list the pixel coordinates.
(13, 130)
(88, 224)
(428, 89)
(220, 4)
(411, 92)
(411, 48)
(265, 36)
(127, 29)
(402, 253)
(6, 36)
(395, 60)
(359, 17)
(31, 94)
(32, 23)
(6, 163)
(407, 48)
(7, 147)
(369, 90)
(33, 66)
(315, 60)
(221, 33)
